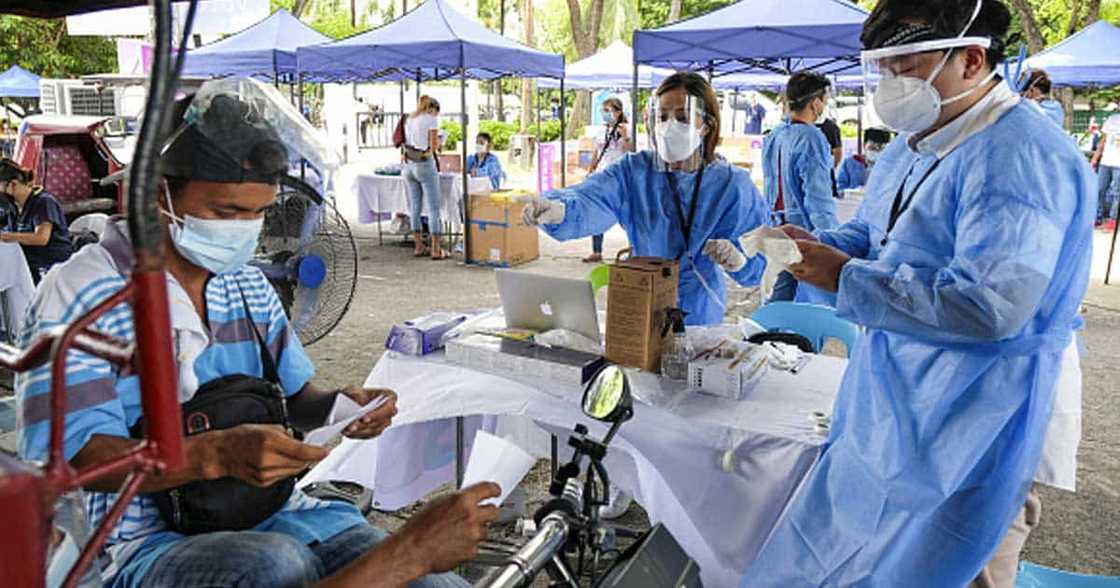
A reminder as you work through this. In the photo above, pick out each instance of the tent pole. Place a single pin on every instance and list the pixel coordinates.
(417, 87)
(1111, 254)
(634, 110)
(859, 123)
(540, 134)
(734, 111)
(302, 162)
(711, 72)
(563, 139)
(466, 185)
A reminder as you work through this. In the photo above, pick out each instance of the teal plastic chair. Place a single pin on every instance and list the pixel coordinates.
(599, 277)
(1036, 576)
(814, 322)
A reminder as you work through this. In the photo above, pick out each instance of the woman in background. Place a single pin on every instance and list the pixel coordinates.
(420, 149)
(614, 143)
(37, 222)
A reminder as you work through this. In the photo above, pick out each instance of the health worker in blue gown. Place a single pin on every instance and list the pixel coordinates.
(965, 267)
(678, 200)
(856, 170)
(797, 166)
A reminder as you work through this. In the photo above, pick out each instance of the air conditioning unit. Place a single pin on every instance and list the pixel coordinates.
(78, 98)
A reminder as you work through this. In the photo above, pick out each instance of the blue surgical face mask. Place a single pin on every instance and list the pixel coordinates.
(216, 245)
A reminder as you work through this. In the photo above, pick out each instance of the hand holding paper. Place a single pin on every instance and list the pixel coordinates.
(779, 250)
(345, 412)
(494, 459)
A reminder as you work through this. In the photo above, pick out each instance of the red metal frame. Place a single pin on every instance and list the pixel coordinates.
(32, 494)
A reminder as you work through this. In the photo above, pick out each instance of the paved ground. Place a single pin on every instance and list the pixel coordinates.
(1078, 532)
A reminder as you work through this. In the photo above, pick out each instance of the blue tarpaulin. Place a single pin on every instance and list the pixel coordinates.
(266, 49)
(613, 67)
(1090, 58)
(19, 83)
(433, 41)
(758, 36)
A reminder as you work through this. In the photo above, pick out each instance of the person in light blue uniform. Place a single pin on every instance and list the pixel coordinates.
(1038, 91)
(966, 279)
(797, 167)
(856, 169)
(484, 163)
(677, 201)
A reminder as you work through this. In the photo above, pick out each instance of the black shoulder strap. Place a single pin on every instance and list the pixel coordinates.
(268, 364)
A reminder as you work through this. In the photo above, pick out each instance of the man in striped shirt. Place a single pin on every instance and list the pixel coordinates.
(214, 198)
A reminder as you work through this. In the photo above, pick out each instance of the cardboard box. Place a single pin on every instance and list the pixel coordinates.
(640, 291)
(498, 237)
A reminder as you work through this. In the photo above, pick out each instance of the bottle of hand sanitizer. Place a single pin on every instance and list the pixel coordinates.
(675, 357)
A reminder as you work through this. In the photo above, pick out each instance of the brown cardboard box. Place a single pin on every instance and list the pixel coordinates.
(498, 237)
(641, 290)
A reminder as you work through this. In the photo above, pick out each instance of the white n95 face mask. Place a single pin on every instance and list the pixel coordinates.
(676, 141)
(912, 105)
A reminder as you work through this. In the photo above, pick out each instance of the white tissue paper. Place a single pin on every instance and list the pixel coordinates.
(494, 459)
(779, 250)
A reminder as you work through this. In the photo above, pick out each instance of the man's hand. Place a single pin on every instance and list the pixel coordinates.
(373, 424)
(258, 454)
(7, 237)
(820, 265)
(724, 253)
(447, 532)
(797, 233)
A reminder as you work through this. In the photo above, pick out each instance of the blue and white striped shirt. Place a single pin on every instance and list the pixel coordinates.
(105, 400)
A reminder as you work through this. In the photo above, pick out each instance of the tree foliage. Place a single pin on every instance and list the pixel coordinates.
(42, 47)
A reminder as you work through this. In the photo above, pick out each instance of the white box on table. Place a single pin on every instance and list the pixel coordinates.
(729, 377)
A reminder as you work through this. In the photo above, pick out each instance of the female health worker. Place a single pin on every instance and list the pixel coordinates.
(677, 201)
(966, 278)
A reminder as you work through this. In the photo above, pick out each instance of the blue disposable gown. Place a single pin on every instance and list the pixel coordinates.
(634, 194)
(940, 419)
(853, 173)
(806, 161)
(489, 166)
(1054, 111)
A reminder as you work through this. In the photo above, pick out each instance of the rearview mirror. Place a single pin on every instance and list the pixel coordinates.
(607, 397)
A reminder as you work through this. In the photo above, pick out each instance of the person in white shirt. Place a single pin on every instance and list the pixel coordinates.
(420, 149)
(1106, 160)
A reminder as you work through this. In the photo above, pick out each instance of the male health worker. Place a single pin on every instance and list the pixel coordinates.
(966, 278)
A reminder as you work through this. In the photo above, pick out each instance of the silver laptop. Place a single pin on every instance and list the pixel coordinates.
(542, 303)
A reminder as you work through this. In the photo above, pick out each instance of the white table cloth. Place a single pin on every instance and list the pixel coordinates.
(15, 283)
(670, 455)
(380, 195)
(847, 206)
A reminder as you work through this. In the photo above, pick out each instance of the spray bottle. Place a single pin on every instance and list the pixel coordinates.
(675, 357)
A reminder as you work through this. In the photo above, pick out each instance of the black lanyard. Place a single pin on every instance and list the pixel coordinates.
(900, 206)
(686, 223)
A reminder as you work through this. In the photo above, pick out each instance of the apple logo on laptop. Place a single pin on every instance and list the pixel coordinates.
(546, 308)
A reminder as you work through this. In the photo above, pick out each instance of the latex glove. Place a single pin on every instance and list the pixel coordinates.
(725, 254)
(542, 211)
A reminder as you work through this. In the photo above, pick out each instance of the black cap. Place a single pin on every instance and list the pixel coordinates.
(877, 136)
(230, 143)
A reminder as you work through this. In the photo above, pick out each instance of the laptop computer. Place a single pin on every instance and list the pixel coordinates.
(542, 303)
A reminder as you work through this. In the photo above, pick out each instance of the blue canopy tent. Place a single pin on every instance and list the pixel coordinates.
(266, 49)
(432, 42)
(759, 37)
(610, 68)
(17, 82)
(1090, 58)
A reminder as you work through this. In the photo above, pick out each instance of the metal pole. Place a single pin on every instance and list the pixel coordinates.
(735, 111)
(302, 162)
(463, 167)
(417, 86)
(634, 110)
(563, 139)
(1111, 253)
(460, 449)
(859, 126)
(540, 135)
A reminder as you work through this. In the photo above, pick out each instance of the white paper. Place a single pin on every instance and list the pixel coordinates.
(494, 459)
(354, 460)
(779, 250)
(343, 413)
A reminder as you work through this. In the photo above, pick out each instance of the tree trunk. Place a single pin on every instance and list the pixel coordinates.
(674, 11)
(527, 84)
(1092, 13)
(585, 32)
(1035, 41)
(1074, 18)
(498, 82)
(299, 7)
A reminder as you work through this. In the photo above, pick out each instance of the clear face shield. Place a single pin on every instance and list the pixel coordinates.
(899, 79)
(677, 123)
(263, 106)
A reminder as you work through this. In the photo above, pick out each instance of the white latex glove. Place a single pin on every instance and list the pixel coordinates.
(725, 254)
(542, 211)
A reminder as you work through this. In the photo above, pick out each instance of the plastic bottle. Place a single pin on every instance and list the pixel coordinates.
(675, 357)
